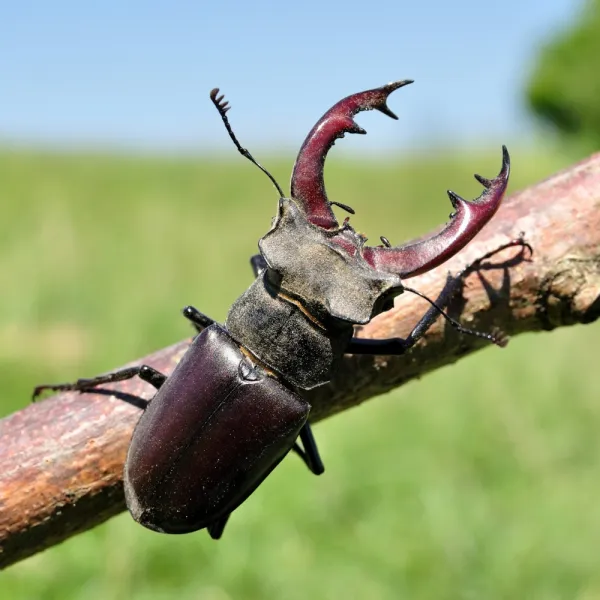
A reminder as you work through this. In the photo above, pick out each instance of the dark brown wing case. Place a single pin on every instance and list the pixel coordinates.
(210, 436)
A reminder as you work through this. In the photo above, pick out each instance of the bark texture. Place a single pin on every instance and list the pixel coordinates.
(63, 457)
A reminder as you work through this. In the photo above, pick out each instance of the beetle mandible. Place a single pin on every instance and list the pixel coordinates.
(233, 407)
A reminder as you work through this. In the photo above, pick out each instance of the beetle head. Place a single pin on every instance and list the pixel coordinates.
(308, 190)
(328, 267)
(323, 268)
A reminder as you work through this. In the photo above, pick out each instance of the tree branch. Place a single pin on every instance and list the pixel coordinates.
(63, 457)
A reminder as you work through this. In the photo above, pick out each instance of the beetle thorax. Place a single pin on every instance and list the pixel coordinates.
(297, 317)
(324, 269)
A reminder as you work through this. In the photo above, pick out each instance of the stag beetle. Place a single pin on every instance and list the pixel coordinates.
(233, 407)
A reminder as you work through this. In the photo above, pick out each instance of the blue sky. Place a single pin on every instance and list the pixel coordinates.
(137, 74)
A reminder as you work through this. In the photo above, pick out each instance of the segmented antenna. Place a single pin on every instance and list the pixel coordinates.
(223, 107)
(500, 338)
(342, 206)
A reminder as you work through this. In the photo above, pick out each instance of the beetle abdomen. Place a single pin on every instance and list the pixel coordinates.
(212, 433)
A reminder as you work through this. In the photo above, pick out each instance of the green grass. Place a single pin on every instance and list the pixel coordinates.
(480, 481)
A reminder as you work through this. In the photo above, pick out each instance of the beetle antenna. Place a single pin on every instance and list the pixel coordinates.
(498, 337)
(223, 106)
(342, 206)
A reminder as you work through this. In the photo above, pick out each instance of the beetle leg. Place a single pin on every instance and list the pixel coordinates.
(259, 264)
(144, 372)
(199, 320)
(397, 346)
(215, 529)
(310, 454)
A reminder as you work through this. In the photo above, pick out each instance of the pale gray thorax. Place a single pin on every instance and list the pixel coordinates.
(317, 271)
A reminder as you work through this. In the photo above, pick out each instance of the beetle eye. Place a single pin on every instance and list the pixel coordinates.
(273, 280)
(388, 302)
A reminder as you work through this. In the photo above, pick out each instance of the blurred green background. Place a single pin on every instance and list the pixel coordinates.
(564, 86)
(480, 481)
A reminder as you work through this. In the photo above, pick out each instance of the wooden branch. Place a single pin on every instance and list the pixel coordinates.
(62, 458)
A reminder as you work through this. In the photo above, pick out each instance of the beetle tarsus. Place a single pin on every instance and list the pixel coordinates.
(501, 340)
(144, 372)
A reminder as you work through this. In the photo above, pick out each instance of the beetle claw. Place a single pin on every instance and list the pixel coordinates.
(356, 129)
(308, 186)
(499, 337)
(465, 222)
(455, 199)
(484, 181)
